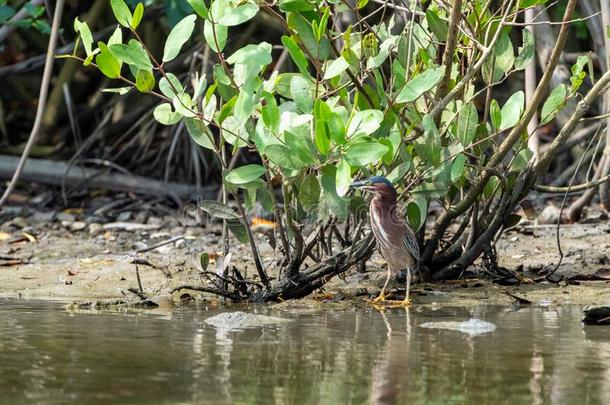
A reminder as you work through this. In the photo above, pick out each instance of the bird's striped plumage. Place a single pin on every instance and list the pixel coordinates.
(396, 241)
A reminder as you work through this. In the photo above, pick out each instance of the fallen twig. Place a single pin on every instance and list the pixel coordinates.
(51, 172)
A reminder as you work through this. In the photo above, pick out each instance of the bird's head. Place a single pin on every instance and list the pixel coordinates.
(376, 184)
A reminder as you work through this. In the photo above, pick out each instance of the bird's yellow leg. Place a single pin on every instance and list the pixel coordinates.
(381, 297)
(407, 301)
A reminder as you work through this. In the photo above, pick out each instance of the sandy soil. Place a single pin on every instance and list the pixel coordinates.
(62, 262)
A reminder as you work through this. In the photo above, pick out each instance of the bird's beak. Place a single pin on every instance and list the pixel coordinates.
(364, 185)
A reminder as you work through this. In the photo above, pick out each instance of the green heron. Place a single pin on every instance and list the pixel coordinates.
(395, 239)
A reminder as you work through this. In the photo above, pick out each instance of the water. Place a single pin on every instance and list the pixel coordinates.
(534, 356)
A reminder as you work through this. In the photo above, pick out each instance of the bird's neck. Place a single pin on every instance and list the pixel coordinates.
(387, 200)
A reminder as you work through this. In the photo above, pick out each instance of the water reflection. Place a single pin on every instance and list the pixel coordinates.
(390, 369)
(535, 356)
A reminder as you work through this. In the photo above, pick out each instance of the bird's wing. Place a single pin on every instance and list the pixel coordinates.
(412, 247)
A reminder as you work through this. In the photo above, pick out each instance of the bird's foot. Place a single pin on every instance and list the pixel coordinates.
(380, 300)
(406, 303)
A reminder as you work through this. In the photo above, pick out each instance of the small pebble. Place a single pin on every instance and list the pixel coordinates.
(77, 226)
(62, 216)
(549, 215)
(154, 221)
(140, 245)
(124, 216)
(95, 229)
(40, 216)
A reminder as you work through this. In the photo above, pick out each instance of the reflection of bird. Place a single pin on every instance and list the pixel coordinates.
(395, 239)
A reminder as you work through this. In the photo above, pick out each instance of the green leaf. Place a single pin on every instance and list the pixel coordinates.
(238, 230)
(119, 90)
(204, 260)
(234, 132)
(490, 187)
(526, 52)
(333, 204)
(335, 68)
(34, 10)
(321, 28)
(457, 167)
(215, 35)
(199, 7)
(133, 54)
(428, 147)
(198, 131)
(502, 60)
(209, 108)
(417, 211)
(364, 122)
(300, 89)
(270, 112)
(116, 37)
(504, 53)
(85, 34)
(239, 15)
(218, 210)
(467, 124)
(164, 114)
(145, 81)
(137, 16)
(384, 51)
(578, 75)
(511, 110)
(495, 114)
(166, 83)
(296, 5)
(521, 160)
(361, 4)
(343, 178)
(245, 174)
(6, 12)
(420, 84)
(399, 172)
(322, 138)
(283, 157)
(437, 25)
(364, 153)
(336, 129)
(297, 55)
(553, 104)
(303, 27)
(121, 12)
(178, 36)
(300, 147)
(309, 193)
(184, 105)
(259, 54)
(107, 63)
(264, 197)
(529, 3)
(434, 189)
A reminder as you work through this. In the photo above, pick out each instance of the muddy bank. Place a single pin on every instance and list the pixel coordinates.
(66, 260)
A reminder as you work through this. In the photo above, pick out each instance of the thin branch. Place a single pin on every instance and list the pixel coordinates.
(454, 22)
(572, 189)
(42, 100)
